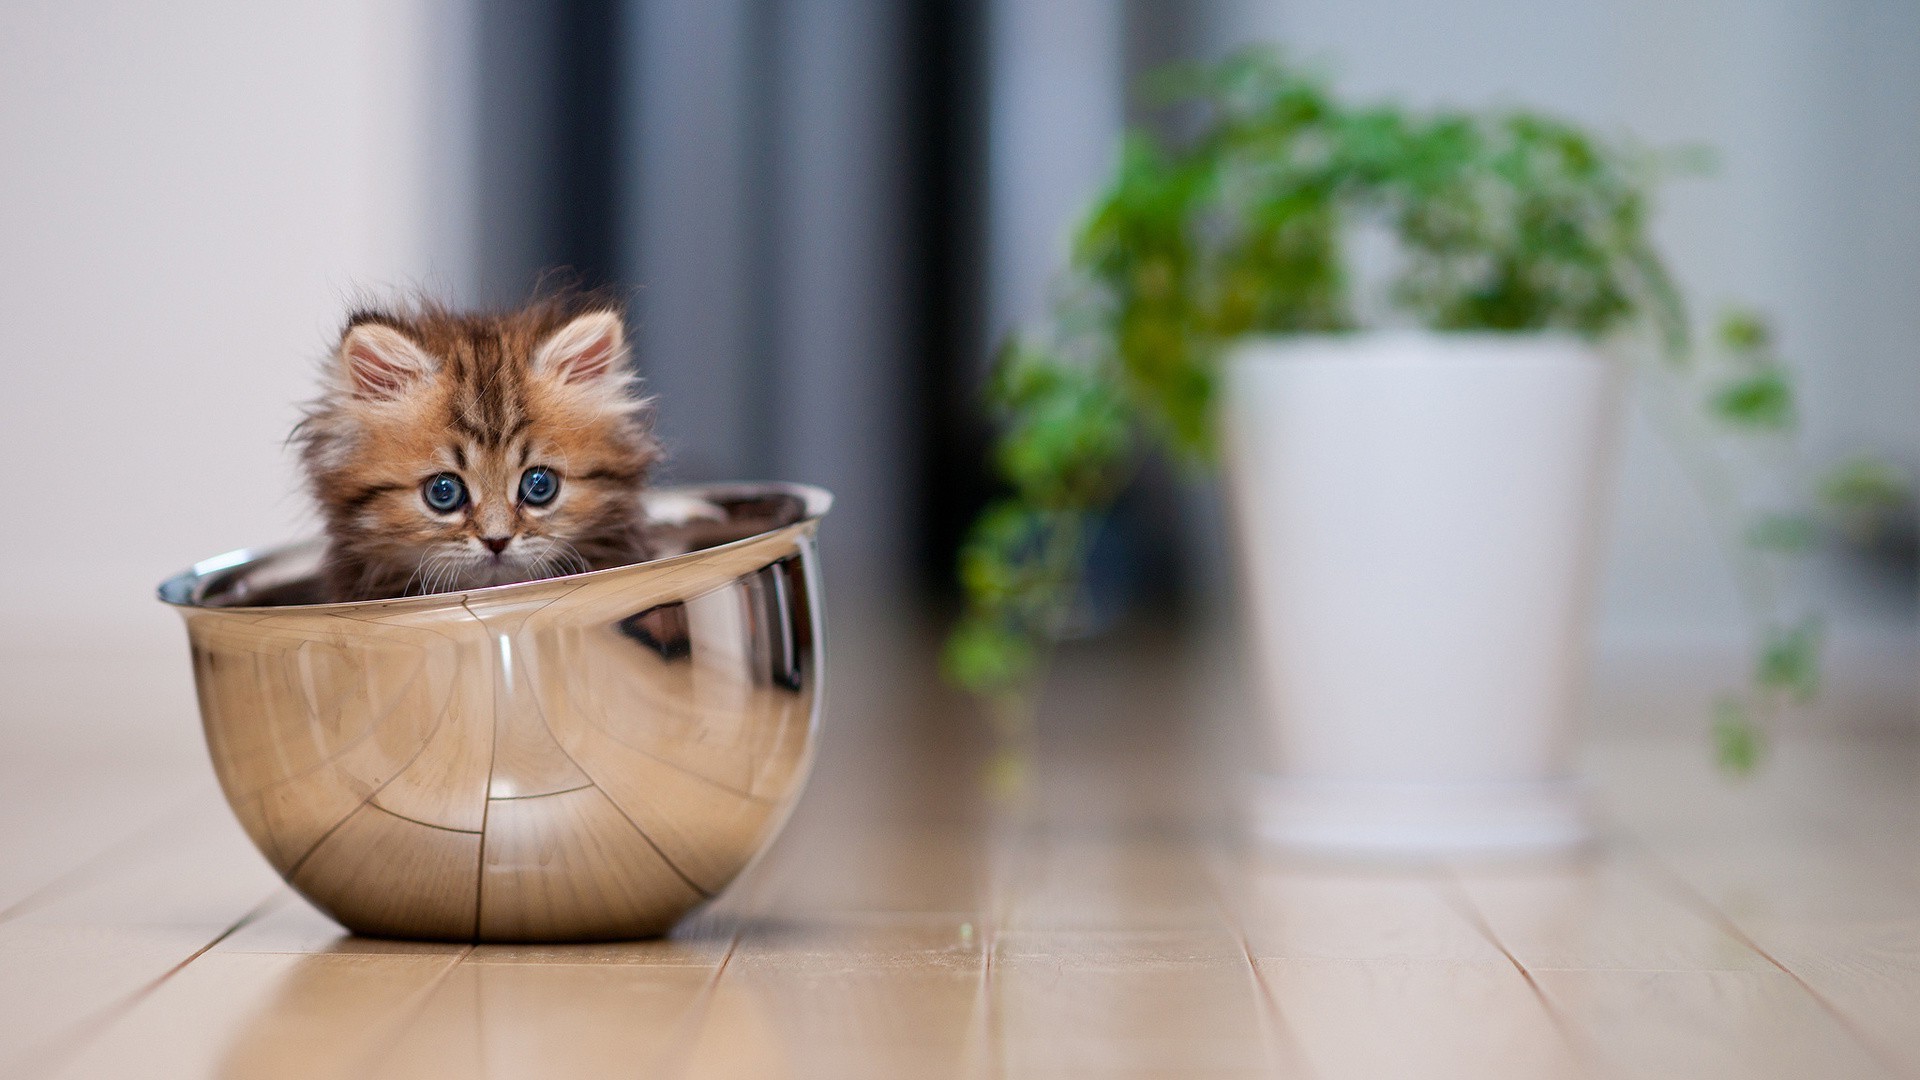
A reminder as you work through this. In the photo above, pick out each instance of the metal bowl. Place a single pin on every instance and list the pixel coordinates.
(581, 758)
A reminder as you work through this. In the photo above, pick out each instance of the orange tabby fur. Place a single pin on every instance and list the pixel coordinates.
(419, 391)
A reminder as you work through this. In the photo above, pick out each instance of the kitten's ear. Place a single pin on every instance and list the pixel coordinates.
(590, 348)
(381, 363)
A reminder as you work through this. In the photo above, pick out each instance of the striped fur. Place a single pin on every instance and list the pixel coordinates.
(418, 390)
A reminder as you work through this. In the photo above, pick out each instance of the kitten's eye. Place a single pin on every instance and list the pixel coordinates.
(538, 486)
(445, 493)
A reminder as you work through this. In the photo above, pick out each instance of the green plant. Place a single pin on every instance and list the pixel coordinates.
(1731, 415)
(1506, 221)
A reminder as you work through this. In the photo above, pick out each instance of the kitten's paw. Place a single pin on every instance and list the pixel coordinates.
(674, 508)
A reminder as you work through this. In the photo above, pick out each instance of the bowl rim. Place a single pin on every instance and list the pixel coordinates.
(177, 590)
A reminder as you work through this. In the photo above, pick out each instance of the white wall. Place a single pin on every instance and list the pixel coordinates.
(191, 193)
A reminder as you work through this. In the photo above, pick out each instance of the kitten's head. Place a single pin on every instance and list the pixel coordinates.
(457, 451)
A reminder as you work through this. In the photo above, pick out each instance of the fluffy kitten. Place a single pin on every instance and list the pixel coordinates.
(454, 451)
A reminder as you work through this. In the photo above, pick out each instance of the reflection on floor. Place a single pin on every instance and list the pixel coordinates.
(1103, 919)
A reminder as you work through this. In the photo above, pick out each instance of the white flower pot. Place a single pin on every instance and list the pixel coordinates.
(1418, 522)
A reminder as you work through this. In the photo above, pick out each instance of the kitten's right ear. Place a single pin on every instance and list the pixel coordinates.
(380, 363)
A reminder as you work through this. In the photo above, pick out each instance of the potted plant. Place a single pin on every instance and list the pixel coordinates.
(1405, 332)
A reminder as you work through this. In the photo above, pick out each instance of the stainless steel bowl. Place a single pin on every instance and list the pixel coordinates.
(580, 758)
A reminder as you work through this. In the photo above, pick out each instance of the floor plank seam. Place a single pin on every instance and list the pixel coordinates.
(1701, 905)
(91, 866)
(696, 1020)
(1002, 868)
(993, 1049)
(63, 1049)
(1456, 896)
(411, 1013)
(1286, 1044)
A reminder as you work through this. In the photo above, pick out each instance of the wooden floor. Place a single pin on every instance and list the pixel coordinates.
(1095, 918)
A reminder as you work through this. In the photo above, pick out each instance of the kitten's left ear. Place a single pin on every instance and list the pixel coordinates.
(590, 348)
(381, 363)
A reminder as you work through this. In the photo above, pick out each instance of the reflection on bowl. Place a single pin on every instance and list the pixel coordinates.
(580, 758)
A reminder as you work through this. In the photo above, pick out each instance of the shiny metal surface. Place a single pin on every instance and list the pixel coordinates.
(587, 757)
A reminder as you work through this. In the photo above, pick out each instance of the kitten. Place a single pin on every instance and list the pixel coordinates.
(454, 451)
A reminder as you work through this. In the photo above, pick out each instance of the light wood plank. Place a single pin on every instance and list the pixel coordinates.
(862, 997)
(1603, 913)
(85, 765)
(1340, 946)
(71, 966)
(64, 833)
(1086, 879)
(683, 949)
(1307, 911)
(1137, 1003)
(1781, 877)
(1703, 1025)
(506, 1021)
(1867, 970)
(1422, 1020)
(298, 927)
(262, 1015)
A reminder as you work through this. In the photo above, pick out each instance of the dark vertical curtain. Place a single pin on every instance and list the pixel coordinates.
(787, 188)
(548, 175)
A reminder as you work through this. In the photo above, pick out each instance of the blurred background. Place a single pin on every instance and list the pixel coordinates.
(829, 210)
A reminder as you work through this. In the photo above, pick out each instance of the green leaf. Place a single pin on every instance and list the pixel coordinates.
(1865, 484)
(1070, 434)
(1000, 562)
(1786, 533)
(986, 657)
(1790, 661)
(1736, 738)
(1759, 402)
(1744, 331)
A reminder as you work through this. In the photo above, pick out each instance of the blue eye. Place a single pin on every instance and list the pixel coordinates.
(445, 493)
(538, 486)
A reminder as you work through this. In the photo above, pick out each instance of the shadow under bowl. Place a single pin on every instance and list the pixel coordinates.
(579, 758)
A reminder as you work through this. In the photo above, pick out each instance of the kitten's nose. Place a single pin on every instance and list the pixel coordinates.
(496, 544)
